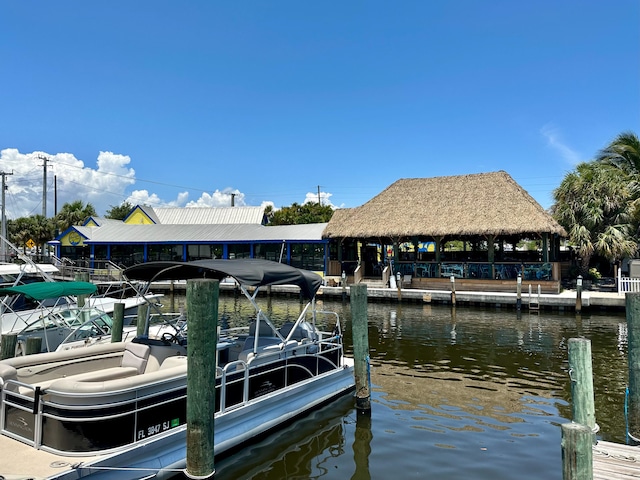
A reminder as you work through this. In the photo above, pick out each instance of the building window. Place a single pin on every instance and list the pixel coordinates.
(309, 256)
(127, 255)
(270, 251)
(203, 252)
(164, 252)
(242, 250)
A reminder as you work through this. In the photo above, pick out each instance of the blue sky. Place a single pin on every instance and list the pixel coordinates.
(182, 103)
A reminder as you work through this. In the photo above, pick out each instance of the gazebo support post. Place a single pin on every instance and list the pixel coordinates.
(491, 253)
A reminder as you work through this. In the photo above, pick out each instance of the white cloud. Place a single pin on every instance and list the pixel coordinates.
(68, 180)
(143, 197)
(106, 186)
(219, 199)
(555, 141)
(324, 198)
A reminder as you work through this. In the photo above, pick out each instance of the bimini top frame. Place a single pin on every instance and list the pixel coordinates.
(248, 272)
(252, 272)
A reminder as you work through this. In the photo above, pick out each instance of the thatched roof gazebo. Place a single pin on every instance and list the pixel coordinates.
(477, 208)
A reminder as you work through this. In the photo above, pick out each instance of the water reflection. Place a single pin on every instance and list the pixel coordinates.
(302, 450)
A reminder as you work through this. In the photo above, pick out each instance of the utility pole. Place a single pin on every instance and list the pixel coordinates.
(3, 245)
(44, 185)
(233, 199)
(319, 202)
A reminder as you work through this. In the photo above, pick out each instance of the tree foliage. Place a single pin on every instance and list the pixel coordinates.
(73, 213)
(119, 212)
(594, 205)
(298, 214)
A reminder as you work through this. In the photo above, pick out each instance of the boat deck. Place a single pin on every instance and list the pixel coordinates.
(21, 461)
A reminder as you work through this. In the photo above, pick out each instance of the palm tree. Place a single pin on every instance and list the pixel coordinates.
(593, 205)
(622, 153)
(74, 213)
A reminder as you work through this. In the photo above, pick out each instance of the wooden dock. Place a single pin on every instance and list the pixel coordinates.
(613, 461)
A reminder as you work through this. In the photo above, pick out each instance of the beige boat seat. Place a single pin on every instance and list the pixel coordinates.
(136, 355)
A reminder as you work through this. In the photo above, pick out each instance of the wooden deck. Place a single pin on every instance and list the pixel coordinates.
(613, 461)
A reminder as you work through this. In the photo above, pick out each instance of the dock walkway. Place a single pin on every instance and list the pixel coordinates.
(565, 300)
(613, 461)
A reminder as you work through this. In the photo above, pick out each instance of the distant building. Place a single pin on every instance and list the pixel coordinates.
(185, 234)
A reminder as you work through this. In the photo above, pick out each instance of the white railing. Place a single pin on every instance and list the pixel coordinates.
(627, 284)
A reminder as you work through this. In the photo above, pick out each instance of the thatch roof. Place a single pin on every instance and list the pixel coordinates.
(465, 205)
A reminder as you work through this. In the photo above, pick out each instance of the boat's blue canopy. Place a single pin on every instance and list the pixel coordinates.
(252, 272)
(44, 290)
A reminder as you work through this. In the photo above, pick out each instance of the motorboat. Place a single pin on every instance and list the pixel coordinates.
(118, 410)
(61, 324)
(22, 306)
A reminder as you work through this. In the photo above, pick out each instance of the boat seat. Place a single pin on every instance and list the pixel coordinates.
(264, 331)
(102, 375)
(285, 329)
(136, 355)
(262, 342)
(7, 372)
(303, 331)
(175, 361)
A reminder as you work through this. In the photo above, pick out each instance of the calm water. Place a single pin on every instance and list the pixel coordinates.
(457, 394)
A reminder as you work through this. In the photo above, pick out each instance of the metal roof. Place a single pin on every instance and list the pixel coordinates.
(125, 233)
(203, 216)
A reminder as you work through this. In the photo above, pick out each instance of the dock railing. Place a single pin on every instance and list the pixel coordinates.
(627, 284)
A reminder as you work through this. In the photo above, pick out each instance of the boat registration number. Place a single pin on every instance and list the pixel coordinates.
(157, 428)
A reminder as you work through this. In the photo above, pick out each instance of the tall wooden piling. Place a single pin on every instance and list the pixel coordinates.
(360, 329)
(202, 308)
(141, 319)
(581, 375)
(118, 322)
(632, 301)
(8, 345)
(519, 292)
(577, 452)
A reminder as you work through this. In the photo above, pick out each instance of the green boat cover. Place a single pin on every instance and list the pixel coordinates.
(44, 290)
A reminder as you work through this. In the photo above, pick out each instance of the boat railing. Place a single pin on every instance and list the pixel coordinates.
(223, 373)
(14, 395)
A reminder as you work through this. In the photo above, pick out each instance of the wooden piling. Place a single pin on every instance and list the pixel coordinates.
(8, 345)
(34, 345)
(118, 322)
(632, 301)
(579, 295)
(453, 290)
(81, 277)
(581, 375)
(519, 292)
(343, 283)
(577, 452)
(360, 329)
(141, 319)
(202, 306)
